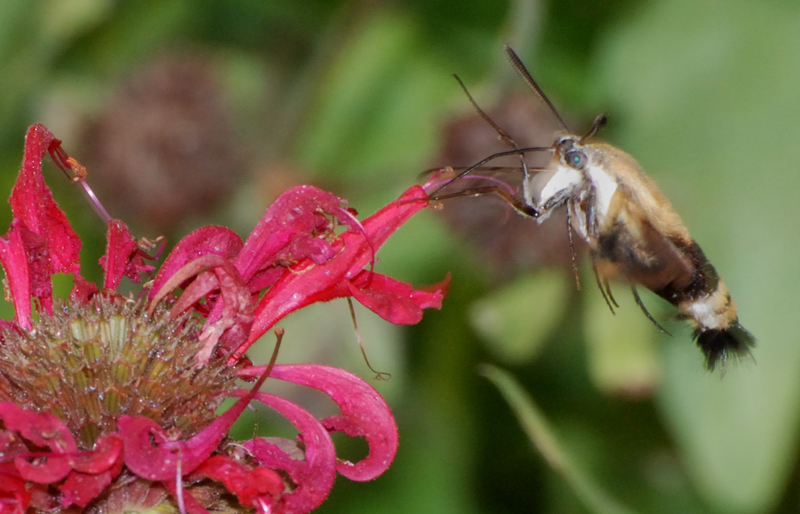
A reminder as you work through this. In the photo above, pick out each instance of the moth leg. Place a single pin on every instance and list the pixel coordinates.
(572, 250)
(605, 289)
(518, 205)
(644, 309)
(608, 290)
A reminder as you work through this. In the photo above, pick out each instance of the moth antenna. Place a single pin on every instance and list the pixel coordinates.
(505, 136)
(602, 290)
(598, 124)
(646, 313)
(516, 62)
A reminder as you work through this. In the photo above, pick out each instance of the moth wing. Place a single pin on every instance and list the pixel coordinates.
(642, 253)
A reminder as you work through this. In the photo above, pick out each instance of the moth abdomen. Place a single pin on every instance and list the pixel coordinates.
(718, 344)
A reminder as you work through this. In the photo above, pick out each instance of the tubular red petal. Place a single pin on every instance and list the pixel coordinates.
(233, 309)
(396, 302)
(299, 213)
(363, 411)
(15, 264)
(322, 282)
(121, 255)
(381, 225)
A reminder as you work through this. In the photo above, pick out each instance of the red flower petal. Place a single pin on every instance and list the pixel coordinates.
(81, 488)
(233, 310)
(92, 472)
(107, 453)
(314, 475)
(33, 206)
(151, 454)
(396, 302)
(14, 494)
(363, 413)
(15, 263)
(296, 217)
(122, 257)
(43, 430)
(257, 487)
(309, 282)
(203, 241)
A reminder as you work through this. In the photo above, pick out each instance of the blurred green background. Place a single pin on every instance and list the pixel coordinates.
(196, 112)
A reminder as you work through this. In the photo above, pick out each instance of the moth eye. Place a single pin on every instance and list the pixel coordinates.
(575, 159)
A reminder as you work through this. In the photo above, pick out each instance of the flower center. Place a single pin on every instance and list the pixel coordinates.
(89, 363)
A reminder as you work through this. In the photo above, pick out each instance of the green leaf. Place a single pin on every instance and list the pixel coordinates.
(378, 105)
(516, 320)
(623, 358)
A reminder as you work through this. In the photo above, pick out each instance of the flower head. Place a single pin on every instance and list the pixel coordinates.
(108, 402)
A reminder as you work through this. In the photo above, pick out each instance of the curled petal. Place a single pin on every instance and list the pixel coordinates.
(363, 413)
(296, 217)
(232, 310)
(107, 453)
(314, 475)
(203, 241)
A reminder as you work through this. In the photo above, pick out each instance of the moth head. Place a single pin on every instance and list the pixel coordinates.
(570, 153)
(577, 152)
(557, 182)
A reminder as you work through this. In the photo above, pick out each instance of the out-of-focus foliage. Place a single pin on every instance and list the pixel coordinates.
(357, 97)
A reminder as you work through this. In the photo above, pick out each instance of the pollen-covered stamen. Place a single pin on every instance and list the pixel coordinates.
(92, 363)
(76, 172)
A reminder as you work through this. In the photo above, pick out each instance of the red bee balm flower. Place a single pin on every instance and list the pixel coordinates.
(108, 403)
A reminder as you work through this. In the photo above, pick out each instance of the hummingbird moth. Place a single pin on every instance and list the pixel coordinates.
(629, 226)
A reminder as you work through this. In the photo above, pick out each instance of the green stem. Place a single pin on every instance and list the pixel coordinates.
(593, 497)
